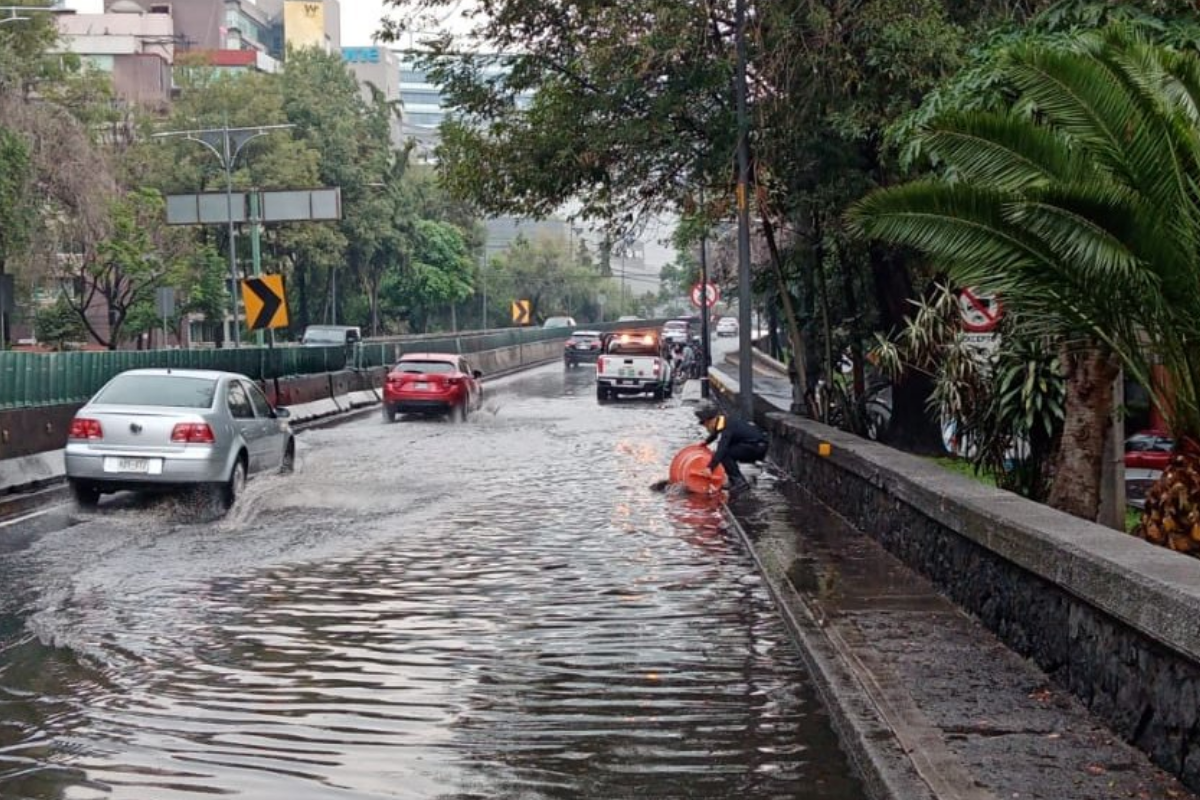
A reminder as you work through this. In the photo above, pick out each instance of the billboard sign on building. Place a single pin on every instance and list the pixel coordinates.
(304, 24)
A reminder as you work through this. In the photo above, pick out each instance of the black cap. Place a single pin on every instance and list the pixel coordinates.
(706, 411)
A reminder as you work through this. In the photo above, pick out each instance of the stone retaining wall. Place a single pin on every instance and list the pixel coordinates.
(1107, 616)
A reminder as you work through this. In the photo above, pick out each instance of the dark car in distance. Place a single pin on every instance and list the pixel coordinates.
(582, 347)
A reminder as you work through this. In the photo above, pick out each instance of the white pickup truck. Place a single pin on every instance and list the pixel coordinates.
(632, 363)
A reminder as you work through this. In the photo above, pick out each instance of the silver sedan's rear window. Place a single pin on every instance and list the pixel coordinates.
(172, 391)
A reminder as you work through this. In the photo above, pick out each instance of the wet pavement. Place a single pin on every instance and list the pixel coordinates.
(931, 702)
(499, 609)
(975, 720)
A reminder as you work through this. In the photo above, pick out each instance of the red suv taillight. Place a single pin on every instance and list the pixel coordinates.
(192, 433)
(85, 429)
(569, 343)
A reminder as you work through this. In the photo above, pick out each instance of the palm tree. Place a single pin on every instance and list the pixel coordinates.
(1081, 206)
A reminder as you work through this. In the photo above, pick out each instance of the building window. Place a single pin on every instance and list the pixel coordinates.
(421, 97)
(431, 120)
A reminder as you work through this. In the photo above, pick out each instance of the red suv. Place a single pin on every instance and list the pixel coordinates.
(432, 383)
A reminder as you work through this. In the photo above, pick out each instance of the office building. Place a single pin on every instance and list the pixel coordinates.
(136, 47)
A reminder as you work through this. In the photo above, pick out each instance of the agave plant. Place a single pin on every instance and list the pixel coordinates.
(1081, 206)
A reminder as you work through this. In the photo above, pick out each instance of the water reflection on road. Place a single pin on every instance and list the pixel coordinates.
(426, 610)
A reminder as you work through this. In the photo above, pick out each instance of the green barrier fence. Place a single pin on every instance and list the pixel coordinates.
(41, 379)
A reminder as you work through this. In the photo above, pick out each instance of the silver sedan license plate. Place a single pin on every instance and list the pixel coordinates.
(127, 464)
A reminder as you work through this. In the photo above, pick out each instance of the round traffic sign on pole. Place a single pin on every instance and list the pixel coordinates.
(710, 295)
(981, 312)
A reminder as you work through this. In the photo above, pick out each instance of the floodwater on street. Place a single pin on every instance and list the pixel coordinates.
(496, 609)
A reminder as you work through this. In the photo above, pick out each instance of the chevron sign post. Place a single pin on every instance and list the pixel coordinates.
(266, 302)
(522, 312)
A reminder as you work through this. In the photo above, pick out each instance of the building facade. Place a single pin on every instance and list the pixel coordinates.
(313, 23)
(136, 47)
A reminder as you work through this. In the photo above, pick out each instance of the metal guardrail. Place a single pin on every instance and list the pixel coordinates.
(43, 379)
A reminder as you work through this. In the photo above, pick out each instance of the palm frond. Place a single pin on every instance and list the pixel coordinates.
(1006, 152)
(1078, 95)
(953, 222)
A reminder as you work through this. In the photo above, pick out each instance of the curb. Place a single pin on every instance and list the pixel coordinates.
(879, 759)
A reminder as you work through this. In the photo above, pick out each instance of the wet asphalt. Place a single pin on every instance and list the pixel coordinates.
(497, 609)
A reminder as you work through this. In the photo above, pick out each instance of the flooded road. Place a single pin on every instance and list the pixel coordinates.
(498, 609)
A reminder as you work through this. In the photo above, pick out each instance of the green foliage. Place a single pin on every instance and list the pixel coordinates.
(205, 291)
(439, 272)
(1083, 216)
(23, 47)
(1006, 402)
(15, 210)
(58, 324)
(983, 84)
(139, 254)
(615, 113)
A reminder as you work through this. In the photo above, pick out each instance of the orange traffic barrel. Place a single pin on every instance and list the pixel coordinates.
(690, 468)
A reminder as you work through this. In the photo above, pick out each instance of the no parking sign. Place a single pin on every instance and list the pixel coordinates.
(708, 291)
(980, 312)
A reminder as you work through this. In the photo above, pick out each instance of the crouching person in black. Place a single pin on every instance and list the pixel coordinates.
(737, 442)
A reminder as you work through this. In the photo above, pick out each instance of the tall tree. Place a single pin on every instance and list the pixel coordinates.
(126, 267)
(1079, 207)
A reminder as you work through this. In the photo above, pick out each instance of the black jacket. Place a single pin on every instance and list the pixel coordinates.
(731, 431)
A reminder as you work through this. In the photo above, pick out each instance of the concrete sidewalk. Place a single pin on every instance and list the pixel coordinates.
(927, 702)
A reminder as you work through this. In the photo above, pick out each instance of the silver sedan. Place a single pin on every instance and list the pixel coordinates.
(154, 429)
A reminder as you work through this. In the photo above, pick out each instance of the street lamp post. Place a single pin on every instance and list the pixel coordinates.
(13, 13)
(745, 354)
(226, 144)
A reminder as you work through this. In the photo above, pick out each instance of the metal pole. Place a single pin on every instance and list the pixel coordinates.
(256, 247)
(227, 154)
(483, 284)
(705, 346)
(745, 353)
(227, 162)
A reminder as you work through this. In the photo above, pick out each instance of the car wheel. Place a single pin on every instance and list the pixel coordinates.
(86, 496)
(288, 465)
(389, 413)
(458, 413)
(232, 488)
(601, 394)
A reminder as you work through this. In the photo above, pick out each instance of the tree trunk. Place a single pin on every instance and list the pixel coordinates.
(799, 369)
(912, 427)
(1086, 415)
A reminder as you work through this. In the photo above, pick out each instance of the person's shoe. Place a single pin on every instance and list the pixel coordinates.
(738, 485)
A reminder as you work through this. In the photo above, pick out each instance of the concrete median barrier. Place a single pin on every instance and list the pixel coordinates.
(32, 439)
